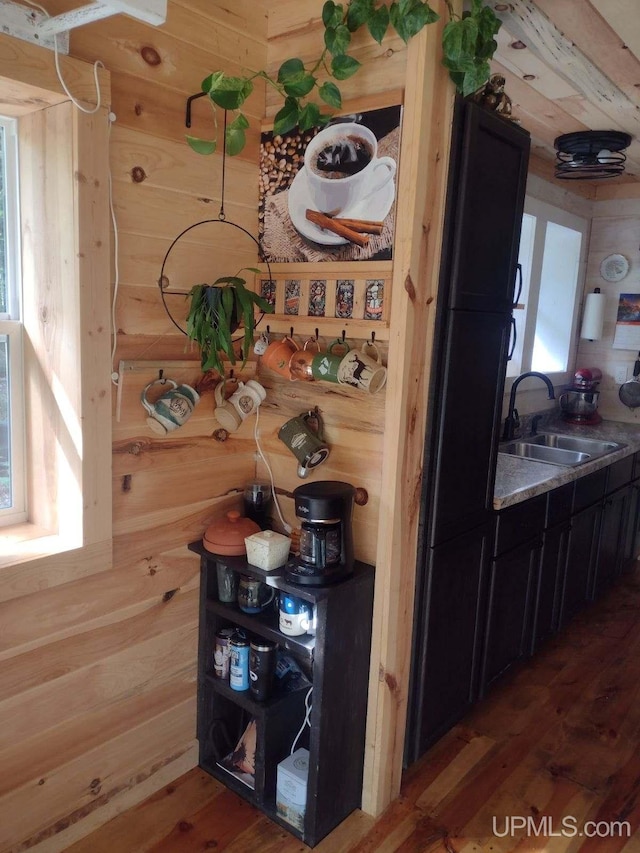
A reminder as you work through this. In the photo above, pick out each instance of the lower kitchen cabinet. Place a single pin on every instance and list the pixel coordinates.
(548, 587)
(508, 634)
(632, 535)
(450, 623)
(613, 529)
(334, 660)
(581, 561)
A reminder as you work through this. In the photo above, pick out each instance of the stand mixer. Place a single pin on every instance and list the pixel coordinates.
(579, 403)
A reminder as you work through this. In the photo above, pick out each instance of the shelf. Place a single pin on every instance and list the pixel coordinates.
(245, 700)
(264, 625)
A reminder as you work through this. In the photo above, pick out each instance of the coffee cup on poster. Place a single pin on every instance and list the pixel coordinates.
(243, 402)
(172, 408)
(363, 369)
(278, 355)
(343, 167)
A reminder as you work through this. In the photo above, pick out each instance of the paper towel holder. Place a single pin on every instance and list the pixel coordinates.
(593, 316)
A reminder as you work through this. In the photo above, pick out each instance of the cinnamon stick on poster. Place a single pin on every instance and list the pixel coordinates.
(336, 228)
(362, 226)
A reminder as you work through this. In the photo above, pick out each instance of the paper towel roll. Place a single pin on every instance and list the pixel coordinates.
(593, 317)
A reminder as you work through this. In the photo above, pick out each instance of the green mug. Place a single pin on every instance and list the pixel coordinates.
(305, 442)
(325, 366)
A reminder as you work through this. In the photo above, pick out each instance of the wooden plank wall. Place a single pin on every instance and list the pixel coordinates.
(98, 664)
(614, 229)
(354, 420)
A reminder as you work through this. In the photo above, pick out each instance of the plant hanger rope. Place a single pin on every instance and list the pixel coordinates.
(163, 281)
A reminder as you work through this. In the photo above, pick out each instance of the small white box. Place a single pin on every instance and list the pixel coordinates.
(291, 788)
(267, 549)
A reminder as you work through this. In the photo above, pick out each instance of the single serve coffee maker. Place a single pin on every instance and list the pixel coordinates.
(326, 544)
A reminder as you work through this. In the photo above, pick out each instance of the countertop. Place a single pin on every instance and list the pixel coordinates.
(520, 479)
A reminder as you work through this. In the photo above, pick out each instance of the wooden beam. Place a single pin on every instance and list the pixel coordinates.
(421, 191)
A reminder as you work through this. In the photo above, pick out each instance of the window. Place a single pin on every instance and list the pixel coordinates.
(552, 249)
(12, 469)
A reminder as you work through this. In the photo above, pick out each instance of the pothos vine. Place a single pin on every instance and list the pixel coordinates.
(468, 45)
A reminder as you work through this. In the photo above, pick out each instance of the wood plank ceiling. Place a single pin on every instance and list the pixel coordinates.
(572, 65)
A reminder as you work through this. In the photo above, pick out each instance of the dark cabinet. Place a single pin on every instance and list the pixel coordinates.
(467, 438)
(335, 662)
(555, 546)
(615, 517)
(485, 200)
(489, 200)
(632, 535)
(447, 660)
(581, 558)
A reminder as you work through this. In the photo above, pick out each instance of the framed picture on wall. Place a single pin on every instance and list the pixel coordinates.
(328, 194)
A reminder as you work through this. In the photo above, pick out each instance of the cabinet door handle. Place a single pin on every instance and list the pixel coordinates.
(519, 276)
(513, 335)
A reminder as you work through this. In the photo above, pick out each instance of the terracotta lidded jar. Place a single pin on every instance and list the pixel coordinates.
(226, 535)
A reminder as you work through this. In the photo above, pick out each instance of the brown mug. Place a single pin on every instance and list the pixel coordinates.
(302, 360)
(278, 355)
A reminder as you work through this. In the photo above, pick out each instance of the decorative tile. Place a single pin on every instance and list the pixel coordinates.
(317, 297)
(374, 299)
(344, 298)
(268, 290)
(291, 296)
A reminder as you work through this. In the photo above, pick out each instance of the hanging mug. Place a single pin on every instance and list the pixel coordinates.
(304, 437)
(301, 363)
(363, 369)
(172, 408)
(243, 402)
(278, 355)
(260, 346)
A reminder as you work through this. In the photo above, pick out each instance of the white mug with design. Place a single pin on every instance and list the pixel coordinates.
(172, 408)
(245, 400)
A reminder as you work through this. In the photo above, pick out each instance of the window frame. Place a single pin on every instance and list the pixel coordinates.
(545, 213)
(11, 326)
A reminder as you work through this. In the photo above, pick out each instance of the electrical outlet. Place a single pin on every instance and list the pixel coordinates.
(621, 373)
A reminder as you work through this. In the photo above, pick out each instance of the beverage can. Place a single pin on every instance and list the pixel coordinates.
(238, 663)
(221, 652)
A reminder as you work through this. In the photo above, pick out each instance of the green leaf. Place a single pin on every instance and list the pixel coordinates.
(235, 141)
(417, 16)
(330, 94)
(378, 23)
(230, 93)
(292, 69)
(228, 279)
(332, 14)
(309, 117)
(343, 67)
(211, 81)
(358, 13)
(337, 39)
(240, 122)
(202, 146)
(287, 118)
(300, 87)
(261, 302)
(475, 78)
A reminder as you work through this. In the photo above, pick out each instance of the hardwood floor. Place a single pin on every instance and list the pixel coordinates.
(558, 740)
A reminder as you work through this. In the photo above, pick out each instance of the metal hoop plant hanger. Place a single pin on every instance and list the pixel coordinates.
(221, 220)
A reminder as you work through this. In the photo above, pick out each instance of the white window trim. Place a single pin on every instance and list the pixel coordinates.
(544, 213)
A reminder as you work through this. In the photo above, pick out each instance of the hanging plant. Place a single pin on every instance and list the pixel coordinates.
(468, 45)
(216, 311)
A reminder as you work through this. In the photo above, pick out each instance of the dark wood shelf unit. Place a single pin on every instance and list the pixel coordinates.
(336, 661)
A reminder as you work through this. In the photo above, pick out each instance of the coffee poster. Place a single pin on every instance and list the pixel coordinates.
(328, 194)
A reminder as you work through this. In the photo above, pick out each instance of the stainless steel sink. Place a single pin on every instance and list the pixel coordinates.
(564, 450)
(540, 453)
(592, 446)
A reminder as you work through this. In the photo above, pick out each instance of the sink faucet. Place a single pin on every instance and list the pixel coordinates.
(512, 421)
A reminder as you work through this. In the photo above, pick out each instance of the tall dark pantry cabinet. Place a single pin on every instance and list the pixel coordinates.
(485, 200)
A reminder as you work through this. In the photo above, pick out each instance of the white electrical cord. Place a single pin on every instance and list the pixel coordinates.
(96, 65)
(288, 528)
(305, 722)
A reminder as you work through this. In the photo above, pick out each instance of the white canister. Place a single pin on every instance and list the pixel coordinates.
(267, 549)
